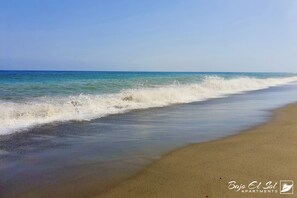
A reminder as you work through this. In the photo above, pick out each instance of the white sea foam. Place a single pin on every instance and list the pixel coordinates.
(21, 116)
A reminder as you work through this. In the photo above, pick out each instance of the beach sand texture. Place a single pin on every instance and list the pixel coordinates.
(265, 153)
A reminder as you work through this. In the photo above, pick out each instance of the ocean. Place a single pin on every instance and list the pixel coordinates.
(60, 130)
(33, 98)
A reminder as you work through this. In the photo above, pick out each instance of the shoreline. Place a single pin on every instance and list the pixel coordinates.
(261, 153)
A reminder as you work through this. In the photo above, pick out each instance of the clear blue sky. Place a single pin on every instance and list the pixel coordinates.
(152, 35)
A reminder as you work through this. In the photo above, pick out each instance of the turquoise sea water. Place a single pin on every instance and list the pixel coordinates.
(16, 85)
(33, 98)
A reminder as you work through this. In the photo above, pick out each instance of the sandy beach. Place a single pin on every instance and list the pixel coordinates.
(262, 154)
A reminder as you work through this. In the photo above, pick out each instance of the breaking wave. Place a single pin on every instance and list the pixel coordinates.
(18, 116)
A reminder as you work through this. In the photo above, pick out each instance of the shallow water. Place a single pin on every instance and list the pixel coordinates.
(32, 99)
(82, 158)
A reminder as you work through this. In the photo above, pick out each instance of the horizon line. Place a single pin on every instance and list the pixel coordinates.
(143, 71)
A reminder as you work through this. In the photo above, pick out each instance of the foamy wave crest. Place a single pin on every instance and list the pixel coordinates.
(20, 116)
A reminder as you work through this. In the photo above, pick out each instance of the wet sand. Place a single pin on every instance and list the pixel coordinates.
(264, 153)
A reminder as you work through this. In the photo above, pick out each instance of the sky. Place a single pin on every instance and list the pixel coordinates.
(152, 35)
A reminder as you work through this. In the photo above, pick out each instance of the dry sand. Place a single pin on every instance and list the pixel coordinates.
(264, 153)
